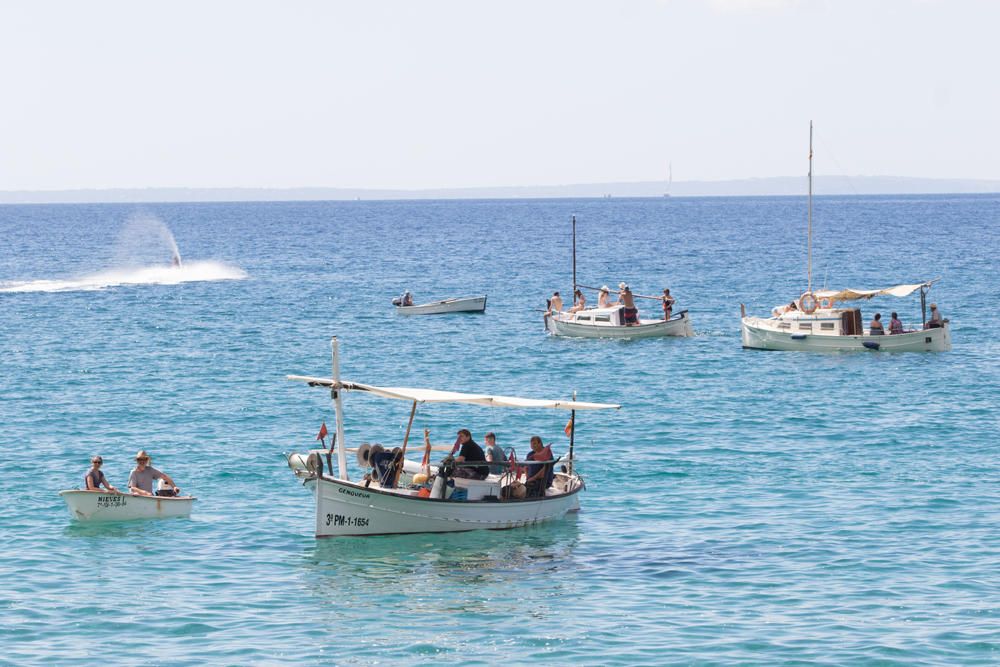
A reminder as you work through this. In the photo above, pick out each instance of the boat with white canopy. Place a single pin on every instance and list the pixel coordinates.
(87, 505)
(467, 304)
(400, 496)
(824, 321)
(610, 322)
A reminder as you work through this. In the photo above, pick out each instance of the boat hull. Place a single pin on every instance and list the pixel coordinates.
(348, 509)
(677, 326)
(101, 506)
(476, 304)
(758, 335)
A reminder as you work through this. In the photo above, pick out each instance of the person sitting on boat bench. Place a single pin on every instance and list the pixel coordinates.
(580, 302)
(140, 480)
(876, 328)
(494, 455)
(631, 313)
(95, 478)
(407, 299)
(604, 298)
(538, 476)
(470, 452)
(668, 304)
(555, 303)
(935, 321)
(895, 326)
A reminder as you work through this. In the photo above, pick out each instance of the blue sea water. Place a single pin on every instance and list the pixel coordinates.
(743, 507)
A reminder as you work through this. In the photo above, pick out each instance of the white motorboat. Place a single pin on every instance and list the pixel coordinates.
(468, 304)
(814, 322)
(87, 505)
(610, 322)
(420, 498)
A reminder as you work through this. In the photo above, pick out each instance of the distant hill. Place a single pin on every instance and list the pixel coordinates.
(781, 185)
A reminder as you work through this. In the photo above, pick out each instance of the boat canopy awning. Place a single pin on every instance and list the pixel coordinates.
(437, 396)
(855, 294)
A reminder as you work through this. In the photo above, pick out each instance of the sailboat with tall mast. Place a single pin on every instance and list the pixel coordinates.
(609, 321)
(814, 322)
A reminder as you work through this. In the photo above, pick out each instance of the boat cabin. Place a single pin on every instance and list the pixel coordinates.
(610, 317)
(823, 321)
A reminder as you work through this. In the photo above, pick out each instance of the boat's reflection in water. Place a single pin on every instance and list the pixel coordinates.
(445, 572)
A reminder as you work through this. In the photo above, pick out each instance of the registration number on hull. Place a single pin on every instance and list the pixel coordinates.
(110, 501)
(343, 520)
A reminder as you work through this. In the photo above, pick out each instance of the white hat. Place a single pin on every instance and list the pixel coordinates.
(604, 288)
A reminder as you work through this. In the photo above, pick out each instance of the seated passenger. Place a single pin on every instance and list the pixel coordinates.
(579, 302)
(876, 328)
(936, 321)
(470, 452)
(604, 298)
(895, 326)
(95, 478)
(494, 455)
(140, 480)
(555, 303)
(407, 299)
(538, 476)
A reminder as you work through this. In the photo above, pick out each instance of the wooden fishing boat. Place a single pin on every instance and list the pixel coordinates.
(610, 322)
(469, 304)
(814, 322)
(406, 497)
(85, 505)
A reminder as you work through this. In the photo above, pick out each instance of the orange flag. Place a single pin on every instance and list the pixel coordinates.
(569, 427)
(322, 432)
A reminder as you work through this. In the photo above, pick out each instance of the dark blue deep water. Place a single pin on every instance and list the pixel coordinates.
(742, 508)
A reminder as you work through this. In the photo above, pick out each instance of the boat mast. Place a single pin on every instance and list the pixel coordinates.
(338, 413)
(809, 242)
(573, 293)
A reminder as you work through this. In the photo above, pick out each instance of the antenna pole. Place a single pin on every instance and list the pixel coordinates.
(809, 242)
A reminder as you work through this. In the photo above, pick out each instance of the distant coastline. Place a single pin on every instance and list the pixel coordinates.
(775, 186)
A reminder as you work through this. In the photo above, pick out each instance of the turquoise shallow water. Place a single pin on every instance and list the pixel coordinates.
(743, 507)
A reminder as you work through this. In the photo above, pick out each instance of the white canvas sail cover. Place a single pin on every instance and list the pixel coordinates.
(437, 396)
(855, 294)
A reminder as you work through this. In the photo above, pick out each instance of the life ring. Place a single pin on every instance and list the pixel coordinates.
(826, 303)
(808, 303)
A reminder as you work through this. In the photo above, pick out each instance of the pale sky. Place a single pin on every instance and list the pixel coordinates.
(455, 93)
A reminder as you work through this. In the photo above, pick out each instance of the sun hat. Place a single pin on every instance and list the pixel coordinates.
(604, 288)
(141, 454)
(622, 285)
(933, 306)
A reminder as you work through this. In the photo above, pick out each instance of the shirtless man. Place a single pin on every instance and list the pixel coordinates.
(555, 303)
(626, 299)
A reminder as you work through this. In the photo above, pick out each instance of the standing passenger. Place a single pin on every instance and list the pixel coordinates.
(668, 304)
(631, 313)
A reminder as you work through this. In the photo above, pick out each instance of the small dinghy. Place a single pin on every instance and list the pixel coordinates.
(468, 304)
(105, 506)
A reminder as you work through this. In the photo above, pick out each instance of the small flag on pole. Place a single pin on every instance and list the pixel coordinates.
(569, 427)
(322, 432)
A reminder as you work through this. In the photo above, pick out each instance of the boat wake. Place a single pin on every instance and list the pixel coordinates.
(189, 271)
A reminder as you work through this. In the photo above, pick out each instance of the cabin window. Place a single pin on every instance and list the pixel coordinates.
(805, 326)
(927, 339)
(826, 326)
(785, 325)
(584, 318)
(602, 318)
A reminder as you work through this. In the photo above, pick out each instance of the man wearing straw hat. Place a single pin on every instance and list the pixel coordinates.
(626, 299)
(140, 480)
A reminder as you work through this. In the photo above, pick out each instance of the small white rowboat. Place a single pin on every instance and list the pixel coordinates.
(470, 304)
(104, 506)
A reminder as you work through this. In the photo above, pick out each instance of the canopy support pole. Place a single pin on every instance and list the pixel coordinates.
(923, 305)
(338, 412)
(406, 439)
(572, 432)
(809, 242)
